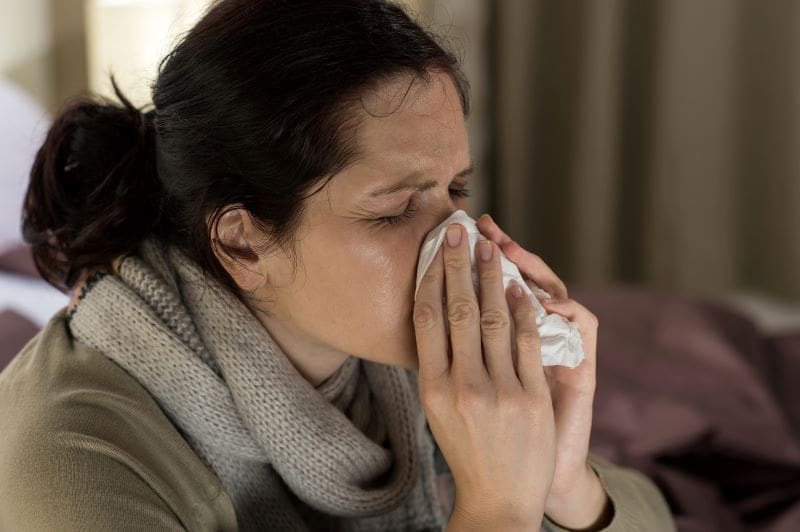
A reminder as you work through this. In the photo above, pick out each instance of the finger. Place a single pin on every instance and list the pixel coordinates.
(463, 312)
(534, 268)
(562, 307)
(577, 313)
(528, 342)
(489, 228)
(529, 264)
(495, 316)
(570, 309)
(429, 327)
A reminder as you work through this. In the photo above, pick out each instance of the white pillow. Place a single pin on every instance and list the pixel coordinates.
(22, 131)
(33, 298)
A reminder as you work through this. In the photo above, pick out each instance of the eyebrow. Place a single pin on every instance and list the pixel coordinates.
(421, 187)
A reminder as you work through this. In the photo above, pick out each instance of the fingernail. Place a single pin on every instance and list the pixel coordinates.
(485, 250)
(516, 290)
(454, 235)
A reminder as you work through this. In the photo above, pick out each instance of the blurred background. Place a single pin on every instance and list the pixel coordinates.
(647, 150)
(624, 141)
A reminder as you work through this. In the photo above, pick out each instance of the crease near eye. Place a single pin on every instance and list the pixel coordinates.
(399, 219)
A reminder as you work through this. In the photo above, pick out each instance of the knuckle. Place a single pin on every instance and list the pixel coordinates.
(468, 397)
(424, 316)
(538, 398)
(524, 309)
(529, 340)
(511, 402)
(428, 277)
(494, 321)
(462, 311)
(454, 262)
(431, 396)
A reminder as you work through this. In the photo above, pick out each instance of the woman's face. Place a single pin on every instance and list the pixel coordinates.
(353, 293)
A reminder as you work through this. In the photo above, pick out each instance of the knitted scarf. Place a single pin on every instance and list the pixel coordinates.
(350, 454)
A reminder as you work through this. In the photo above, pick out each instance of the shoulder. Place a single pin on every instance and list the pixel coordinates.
(85, 447)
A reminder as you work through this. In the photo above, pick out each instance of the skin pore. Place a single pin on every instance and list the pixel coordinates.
(353, 291)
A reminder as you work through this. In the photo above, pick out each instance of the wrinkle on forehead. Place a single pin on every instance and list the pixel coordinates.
(407, 125)
(425, 97)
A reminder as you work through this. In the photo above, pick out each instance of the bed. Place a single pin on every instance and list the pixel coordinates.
(26, 301)
(701, 396)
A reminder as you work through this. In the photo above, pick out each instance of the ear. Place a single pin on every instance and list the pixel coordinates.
(236, 231)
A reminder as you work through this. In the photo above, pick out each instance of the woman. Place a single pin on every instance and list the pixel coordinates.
(243, 350)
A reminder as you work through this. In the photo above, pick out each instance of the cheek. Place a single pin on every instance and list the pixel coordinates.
(358, 296)
(385, 272)
(363, 284)
(393, 286)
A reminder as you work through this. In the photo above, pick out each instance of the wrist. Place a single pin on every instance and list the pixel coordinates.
(586, 507)
(464, 519)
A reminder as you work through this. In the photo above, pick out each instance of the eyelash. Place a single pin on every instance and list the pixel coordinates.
(410, 210)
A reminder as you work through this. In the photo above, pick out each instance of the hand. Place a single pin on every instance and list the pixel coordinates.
(572, 390)
(492, 421)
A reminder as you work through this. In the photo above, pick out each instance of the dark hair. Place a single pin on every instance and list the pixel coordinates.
(251, 109)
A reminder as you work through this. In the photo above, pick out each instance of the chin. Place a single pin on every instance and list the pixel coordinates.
(395, 347)
(407, 358)
(408, 363)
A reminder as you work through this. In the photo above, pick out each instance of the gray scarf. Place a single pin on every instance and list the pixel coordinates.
(350, 454)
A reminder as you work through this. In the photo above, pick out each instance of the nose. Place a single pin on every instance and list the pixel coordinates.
(447, 208)
(440, 209)
(434, 216)
(439, 216)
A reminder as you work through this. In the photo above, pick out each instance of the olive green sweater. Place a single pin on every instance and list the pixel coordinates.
(84, 447)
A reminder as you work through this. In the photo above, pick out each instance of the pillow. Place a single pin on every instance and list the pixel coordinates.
(18, 259)
(22, 132)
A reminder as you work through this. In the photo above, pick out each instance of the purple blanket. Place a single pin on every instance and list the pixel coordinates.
(691, 394)
(15, 329)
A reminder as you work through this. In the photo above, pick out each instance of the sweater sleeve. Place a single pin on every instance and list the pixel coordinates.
(84, 447)
(77, 483)
(637, 502)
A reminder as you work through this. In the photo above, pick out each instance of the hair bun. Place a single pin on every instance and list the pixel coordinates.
(93, 191)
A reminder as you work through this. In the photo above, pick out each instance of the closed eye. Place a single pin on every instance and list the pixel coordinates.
(384, 221)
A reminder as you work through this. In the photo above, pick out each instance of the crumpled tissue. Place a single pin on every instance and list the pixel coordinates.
(560, 339)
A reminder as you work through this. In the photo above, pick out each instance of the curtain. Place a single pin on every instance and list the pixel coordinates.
(647, 142)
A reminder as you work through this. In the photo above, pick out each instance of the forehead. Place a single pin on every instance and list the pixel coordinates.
(408, 124)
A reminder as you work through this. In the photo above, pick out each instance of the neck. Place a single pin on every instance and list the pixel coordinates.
(314, 361)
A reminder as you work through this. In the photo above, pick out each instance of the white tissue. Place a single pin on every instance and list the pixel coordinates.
(560, 339)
